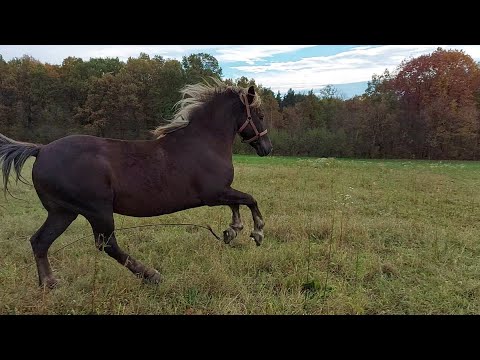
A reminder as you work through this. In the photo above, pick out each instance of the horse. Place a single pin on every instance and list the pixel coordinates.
(187, 164)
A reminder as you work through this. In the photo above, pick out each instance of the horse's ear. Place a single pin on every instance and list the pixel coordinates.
(251, 94)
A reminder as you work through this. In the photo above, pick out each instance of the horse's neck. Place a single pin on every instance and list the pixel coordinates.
(205, 135)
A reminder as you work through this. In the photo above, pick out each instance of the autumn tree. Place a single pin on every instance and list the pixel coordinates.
(200, 66)
(288, 99)
(377, 132)
(438, 94)
(310, 110)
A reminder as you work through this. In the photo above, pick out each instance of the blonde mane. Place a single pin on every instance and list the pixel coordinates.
(194, 96)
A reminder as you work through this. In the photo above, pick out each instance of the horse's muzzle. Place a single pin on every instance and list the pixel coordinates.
(262, 146)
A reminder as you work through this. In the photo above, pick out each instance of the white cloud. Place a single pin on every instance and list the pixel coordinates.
(252, 53)
(355, 65)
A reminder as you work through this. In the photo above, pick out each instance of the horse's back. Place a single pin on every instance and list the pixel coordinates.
(94, 172)
(65, 156)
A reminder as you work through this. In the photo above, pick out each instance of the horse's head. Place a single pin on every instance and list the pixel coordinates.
(210, 104)
(251, 126)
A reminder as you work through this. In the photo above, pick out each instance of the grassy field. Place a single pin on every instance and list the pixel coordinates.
(341, 237)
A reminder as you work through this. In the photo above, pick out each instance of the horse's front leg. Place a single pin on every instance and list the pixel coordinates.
(234, 199)
(235, 226)
(258, 224)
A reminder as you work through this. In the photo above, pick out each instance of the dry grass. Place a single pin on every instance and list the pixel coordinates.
(341, 237)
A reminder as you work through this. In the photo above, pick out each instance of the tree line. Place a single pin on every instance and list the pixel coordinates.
(428, 108)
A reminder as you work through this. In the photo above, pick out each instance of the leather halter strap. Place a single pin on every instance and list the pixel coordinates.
(249, 120)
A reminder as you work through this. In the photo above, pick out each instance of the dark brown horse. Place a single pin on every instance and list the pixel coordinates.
(188, 165)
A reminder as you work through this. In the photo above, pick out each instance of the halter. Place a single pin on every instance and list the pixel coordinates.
(244, 100)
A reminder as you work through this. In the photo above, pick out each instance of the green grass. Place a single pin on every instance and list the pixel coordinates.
(341, 237)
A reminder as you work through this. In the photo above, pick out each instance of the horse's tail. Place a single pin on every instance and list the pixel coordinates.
(14, 153)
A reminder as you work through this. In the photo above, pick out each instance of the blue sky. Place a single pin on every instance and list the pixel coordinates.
(279, 67)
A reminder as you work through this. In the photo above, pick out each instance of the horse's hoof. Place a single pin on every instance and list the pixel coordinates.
(229, 235)
(152, 277)
(257, 237)
(50, 282)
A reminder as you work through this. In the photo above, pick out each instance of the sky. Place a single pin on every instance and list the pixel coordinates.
(279, 67)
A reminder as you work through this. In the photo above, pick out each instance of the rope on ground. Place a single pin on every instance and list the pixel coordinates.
(207, 227)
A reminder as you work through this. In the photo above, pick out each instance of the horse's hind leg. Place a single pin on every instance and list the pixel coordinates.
(56, 223)
(235, 226)
(103, 230)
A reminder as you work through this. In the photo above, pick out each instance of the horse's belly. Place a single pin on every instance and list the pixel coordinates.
(147, 206)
